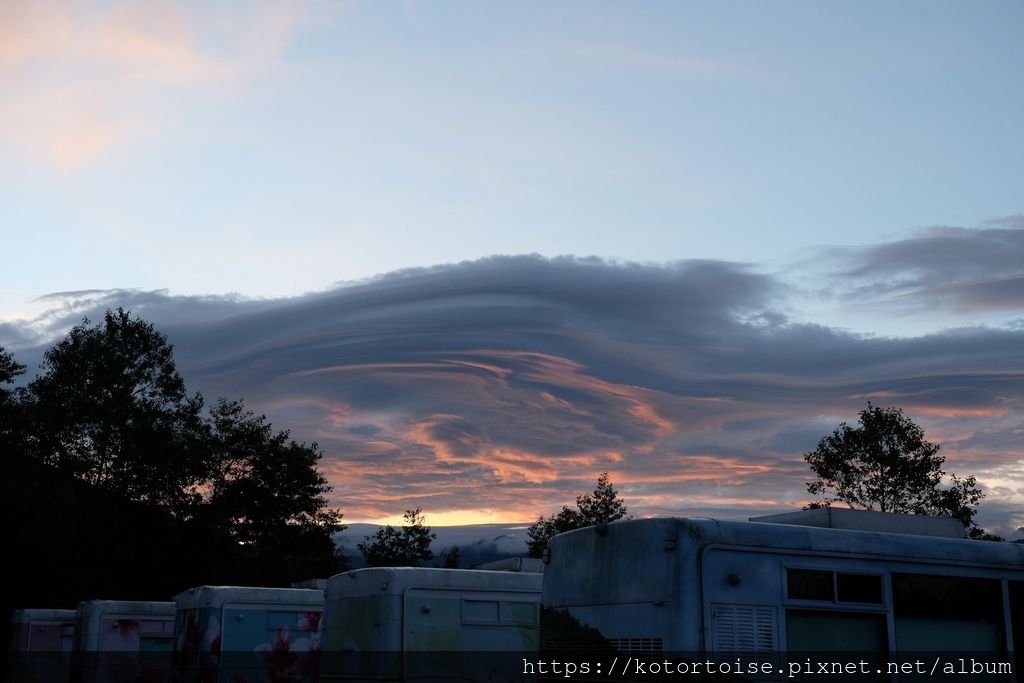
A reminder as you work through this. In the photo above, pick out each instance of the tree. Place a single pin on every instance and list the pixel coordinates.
(600, 507)
(407, 547)
(267, 493)
(10, 401)
(450, 558)
(886, 464)
(9, 370)
(111, 408)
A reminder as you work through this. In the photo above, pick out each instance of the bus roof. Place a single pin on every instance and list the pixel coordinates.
(657, 532)
(24, 616)
(395, 580)
(217, 596)
(132, 607)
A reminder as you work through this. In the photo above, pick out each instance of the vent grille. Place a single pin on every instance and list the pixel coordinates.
(637, 646)
(626, 646)
(743, 628)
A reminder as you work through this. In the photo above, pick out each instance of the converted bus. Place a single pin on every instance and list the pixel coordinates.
(121, 641)
(703, 587)
(409, 623)
(42, 630)
(241, 633)
(40, 647)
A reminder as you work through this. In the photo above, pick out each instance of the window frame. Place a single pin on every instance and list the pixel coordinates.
(882, 605)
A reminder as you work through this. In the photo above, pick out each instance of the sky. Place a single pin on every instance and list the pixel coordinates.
(484, 252)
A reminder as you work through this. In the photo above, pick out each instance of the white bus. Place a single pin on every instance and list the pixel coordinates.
(120, 641)
(703, 586)
(241, 633)
(40, 647)
(42, 630)
(404, 623)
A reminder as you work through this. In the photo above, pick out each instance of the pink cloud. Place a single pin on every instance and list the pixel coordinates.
(83, 81)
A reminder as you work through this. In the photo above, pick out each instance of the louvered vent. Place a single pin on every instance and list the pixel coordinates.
(637, 646)
(743, 628)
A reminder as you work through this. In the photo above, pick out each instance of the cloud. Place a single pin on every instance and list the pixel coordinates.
(150, 41)
(502, 387)
(691, 67)
(944, 269)
(82, 81)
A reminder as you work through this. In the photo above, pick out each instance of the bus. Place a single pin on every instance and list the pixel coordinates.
(119, 641)
(40, 647)
(408, 623)
(886, 585)
(242, 634)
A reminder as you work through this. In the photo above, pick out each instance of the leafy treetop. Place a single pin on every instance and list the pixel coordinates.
(265, 483)
(9, 369)
(600, 507)
(10, 414)
(887, 464)
(405, 547)
(111, 408)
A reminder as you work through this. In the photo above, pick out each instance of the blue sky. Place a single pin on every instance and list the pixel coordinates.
(846, 174)
(278, 150)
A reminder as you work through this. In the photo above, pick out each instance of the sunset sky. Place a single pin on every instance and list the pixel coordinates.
(483, 252)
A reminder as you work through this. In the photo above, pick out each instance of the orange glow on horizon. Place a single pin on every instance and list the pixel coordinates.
(455, 518)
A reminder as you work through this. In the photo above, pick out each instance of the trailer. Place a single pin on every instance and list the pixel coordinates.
(42, 630)
(409, 623)
(241, 634)
(40, 647)
(702, 586)
(122, 641)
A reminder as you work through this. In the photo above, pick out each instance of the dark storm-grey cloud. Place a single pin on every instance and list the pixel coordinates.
(510, 382)
(955, 268)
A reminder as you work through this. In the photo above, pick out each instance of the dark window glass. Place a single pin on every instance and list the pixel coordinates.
(954, 613)
(822, 631)
(947, 597)
(859, 588)
(809, 584)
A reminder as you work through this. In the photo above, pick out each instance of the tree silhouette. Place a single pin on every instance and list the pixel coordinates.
(10, 402)
(266, 491)
(9, 369)
(111, 408)
(886, 464)
(450, 558)
(600, 507)
(405, 547)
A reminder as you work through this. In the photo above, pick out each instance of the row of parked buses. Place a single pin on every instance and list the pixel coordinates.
(819, 581)
(357, 625)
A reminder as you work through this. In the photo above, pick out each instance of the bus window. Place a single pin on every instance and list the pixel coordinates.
(862, 588)
(809, 584)
(947, 613)
(825, 631)
(829, 586)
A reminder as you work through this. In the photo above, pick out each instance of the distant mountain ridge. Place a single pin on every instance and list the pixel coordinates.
(477, 543)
